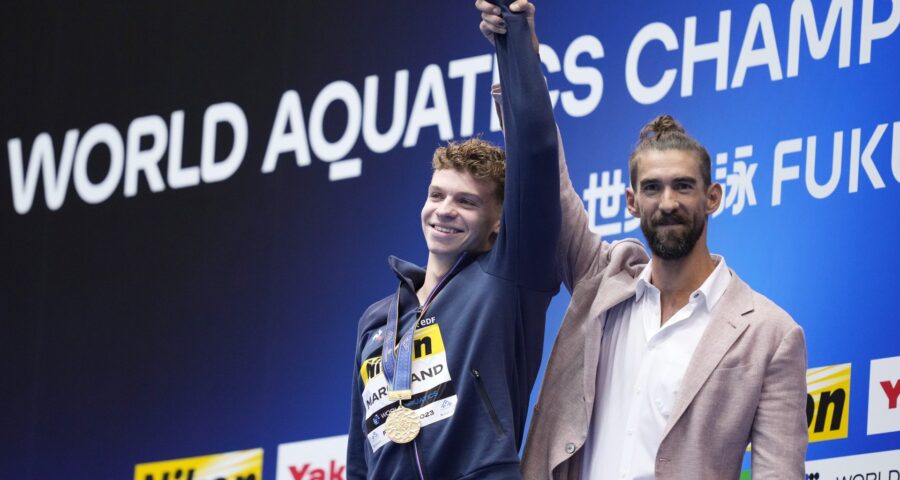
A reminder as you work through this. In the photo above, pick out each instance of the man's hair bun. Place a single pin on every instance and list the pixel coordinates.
(665, 133)
(660, 127)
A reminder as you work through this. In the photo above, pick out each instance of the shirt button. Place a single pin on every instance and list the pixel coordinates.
(570, 448)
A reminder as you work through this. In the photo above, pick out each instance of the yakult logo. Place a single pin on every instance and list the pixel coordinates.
(884, 393)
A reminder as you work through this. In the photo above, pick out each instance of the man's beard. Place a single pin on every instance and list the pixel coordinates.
(671, 244)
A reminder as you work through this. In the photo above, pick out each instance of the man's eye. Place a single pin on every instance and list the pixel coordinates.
(650, 188)
(435, 195)
(468, 202)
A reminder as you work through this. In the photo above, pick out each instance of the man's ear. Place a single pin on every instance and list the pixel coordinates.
(713, 197)
(495, 229)
(631, 203)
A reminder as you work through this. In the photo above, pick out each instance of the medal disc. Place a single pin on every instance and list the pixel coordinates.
(402, 425)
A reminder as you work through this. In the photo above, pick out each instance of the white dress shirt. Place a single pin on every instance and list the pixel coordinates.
(639, 375)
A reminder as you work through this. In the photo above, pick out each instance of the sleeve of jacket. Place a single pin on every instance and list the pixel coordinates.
(579, 251)
(779, 433)
(357, 468)
(525, 248)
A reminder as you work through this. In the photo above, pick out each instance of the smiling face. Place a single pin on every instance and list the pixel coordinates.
(461, 214)
(672, 200)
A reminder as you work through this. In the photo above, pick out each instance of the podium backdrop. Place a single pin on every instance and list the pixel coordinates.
(197, 202)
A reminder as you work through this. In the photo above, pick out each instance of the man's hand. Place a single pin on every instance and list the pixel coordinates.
(492, 23)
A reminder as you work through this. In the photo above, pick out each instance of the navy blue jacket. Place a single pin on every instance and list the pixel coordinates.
(478, 349)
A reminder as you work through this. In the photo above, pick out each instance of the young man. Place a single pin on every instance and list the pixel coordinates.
(663, 369)
(450, 401)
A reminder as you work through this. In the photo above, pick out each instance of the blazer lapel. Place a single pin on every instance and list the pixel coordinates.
(611, 292)
(726, 325)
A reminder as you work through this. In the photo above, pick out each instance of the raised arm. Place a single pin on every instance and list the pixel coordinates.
(525, 248)
(579, 251)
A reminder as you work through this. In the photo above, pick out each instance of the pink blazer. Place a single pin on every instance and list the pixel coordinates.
(746, 382)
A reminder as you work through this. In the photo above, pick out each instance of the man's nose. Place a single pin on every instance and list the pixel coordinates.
(669, 201)
(446, 209)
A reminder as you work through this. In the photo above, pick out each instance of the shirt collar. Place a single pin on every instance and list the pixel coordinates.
(714, 286)
(711, 289)
(643, 282)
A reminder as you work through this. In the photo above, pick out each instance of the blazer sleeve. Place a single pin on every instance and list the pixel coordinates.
(579, 251)
(779, 432)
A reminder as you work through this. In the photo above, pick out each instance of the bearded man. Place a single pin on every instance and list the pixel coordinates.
(667, 368)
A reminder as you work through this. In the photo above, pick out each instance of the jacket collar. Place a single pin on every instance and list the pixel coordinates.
(728, 322)
(615, 290)
(410, 274)
(413, 276)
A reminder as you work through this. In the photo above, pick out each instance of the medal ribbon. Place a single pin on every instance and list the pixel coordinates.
(400, 378)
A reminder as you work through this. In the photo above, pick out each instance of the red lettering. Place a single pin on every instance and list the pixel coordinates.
(336, 474)
(318, 473)
(298, 475)
(892, 392)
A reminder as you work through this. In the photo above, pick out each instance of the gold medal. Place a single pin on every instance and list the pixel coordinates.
(402, 425)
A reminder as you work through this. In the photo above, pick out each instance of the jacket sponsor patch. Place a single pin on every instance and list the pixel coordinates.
(433, 395)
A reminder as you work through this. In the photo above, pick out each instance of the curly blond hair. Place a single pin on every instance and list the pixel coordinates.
(480, 158)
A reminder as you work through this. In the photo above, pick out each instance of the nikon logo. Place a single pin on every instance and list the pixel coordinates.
(828, 402)
(240, 465)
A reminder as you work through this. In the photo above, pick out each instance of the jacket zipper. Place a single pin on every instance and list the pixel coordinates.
(419, 469)
(479, 385)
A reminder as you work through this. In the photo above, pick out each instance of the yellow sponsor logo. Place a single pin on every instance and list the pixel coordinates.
(828, 402)
(427, 341)
(240, 465)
